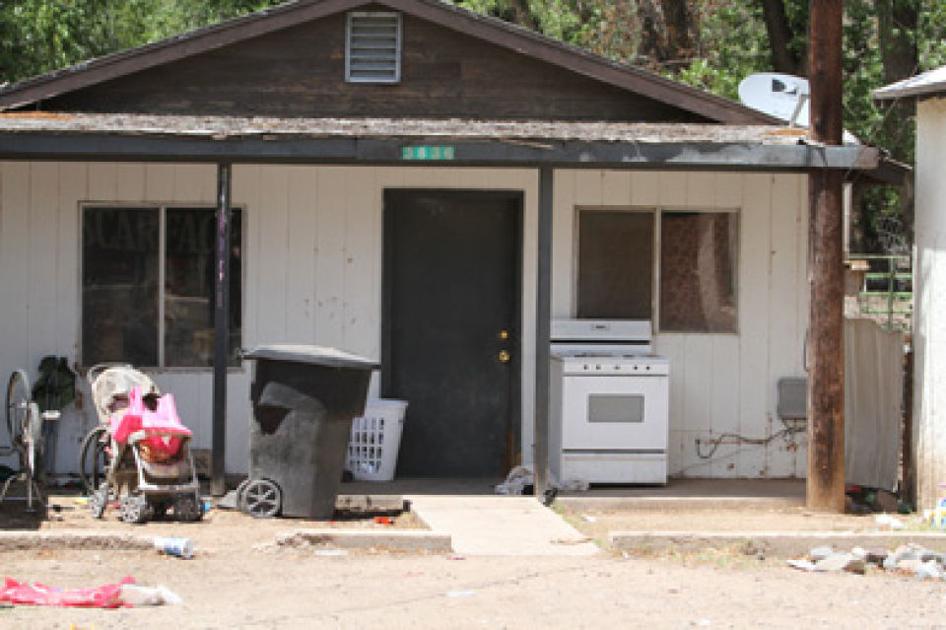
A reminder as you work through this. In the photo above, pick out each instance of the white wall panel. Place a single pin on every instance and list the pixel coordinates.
(721, 383)
(312, 273)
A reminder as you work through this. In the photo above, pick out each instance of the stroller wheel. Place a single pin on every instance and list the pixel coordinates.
(160, 509)
(135, 509)
(187, 508)
(261, 498)
(98, 501)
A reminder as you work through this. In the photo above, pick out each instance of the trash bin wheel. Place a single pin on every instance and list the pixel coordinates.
(240, 489)
(261, 498)
(135, 509)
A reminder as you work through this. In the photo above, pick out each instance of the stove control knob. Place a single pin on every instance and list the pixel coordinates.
(597, 367)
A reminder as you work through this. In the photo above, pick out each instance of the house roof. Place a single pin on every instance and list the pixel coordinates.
(928, 83)
(498, 32)
(226, 127)
(387, 141)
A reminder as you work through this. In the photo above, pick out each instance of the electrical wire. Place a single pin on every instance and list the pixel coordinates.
(717, 441)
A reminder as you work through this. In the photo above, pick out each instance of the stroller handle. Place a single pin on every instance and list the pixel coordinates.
(96, 370)
(142, 434)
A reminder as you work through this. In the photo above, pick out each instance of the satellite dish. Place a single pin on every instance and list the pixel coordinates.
(780, 95)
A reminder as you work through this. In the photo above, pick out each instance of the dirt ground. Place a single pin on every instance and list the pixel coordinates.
(295, 588)
(234, 581)
(597, 523)
(218, 532)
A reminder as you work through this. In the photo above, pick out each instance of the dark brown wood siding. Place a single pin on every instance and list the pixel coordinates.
(300, 72)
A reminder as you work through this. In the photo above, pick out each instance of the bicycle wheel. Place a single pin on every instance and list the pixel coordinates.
(19, 398)
(33, 441)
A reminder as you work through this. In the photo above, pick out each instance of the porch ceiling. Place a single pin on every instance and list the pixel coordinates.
(380, 141)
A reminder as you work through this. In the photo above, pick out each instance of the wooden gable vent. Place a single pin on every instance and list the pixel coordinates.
(373, 47)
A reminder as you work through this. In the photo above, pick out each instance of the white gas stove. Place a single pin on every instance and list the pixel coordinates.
(610, 403)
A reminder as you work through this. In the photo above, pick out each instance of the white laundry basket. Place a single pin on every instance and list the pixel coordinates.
(375, 440)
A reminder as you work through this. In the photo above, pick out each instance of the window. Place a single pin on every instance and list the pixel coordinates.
(148, 286)
(698, 271)
(619, 266)
(616, 265)
(373, 48)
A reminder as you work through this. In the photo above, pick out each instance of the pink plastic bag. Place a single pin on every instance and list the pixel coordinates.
(105, 596)
(162, 424)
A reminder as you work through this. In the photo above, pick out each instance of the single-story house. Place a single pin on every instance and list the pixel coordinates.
(929, 270)
(423, 186)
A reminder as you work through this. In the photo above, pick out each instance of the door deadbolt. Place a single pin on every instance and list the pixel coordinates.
(503, 334)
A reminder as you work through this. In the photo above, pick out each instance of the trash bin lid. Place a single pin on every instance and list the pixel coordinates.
(313, 355)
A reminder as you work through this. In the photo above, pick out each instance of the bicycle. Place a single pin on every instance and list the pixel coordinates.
(25, 428)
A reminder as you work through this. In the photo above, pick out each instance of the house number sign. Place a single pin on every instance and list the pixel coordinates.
(428, 152)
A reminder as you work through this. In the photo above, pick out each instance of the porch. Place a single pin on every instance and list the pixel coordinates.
(313, 196)
(682, 493)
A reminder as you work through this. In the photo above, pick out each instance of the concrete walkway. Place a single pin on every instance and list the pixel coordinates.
(501, 526)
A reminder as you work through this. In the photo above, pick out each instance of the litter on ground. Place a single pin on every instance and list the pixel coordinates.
(124, 593)
(910, 559)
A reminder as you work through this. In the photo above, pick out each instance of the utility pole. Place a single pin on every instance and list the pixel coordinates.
(825, 351)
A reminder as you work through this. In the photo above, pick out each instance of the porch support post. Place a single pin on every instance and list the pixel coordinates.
(221, 329)
(825, 352)
(543, 315)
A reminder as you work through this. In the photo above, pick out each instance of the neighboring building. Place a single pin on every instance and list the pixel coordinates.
(929, 325)
(394, 163)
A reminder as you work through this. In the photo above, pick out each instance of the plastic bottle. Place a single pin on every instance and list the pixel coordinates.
(179, 547)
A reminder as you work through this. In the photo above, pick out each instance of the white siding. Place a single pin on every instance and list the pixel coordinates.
(720, 383)
(929, 328)
(312, 273)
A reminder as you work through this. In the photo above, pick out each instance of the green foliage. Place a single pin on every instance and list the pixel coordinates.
(931, 39)
(722, 63)
(37, 36)
(605, 27)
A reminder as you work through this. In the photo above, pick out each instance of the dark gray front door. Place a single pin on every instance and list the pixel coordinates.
(451, 316)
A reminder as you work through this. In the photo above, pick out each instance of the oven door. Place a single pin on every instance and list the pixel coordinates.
(611, 413)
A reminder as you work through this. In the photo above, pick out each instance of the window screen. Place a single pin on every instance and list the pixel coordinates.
(615, 264)
(373, 48)
(120, 285)
(698, 271)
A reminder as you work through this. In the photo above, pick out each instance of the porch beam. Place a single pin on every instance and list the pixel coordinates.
(218, 486)
(543, 324)
(478, 152)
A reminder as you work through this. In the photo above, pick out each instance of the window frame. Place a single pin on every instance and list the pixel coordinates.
(656, 276)
(398, 53)
(161, 207)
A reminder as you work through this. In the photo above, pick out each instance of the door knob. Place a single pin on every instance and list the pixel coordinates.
(504, 356)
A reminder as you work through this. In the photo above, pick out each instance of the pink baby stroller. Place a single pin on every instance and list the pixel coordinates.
(148, 466)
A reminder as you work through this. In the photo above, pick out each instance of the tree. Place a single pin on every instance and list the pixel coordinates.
(41, 35)
(788, 53)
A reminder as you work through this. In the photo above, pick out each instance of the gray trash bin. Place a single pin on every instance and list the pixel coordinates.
(304, 399)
